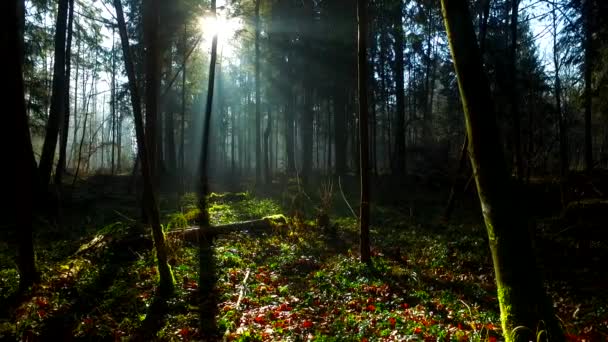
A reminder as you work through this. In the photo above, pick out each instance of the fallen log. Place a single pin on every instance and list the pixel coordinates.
(192, 234)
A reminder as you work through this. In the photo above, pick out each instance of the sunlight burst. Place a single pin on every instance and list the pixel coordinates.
(225, 28)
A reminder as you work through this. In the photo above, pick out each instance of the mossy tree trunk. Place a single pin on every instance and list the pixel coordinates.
(525, 307)
(363, 130)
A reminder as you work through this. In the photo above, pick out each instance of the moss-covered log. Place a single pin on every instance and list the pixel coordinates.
(526, 311)
(194, 233)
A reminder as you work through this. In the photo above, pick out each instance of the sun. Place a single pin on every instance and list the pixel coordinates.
(226, 30)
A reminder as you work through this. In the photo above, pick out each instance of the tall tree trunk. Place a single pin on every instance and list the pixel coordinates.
(152, 96)
(514, 94)
(75, 134)
(166, 284)
(57, 98)
(206, 271)
(522, 299)
(182, 169)
(258, 140)
(363, 131)
(399, 152)
(587, 20)
(24, 180)
(61, 163)
(113, 101)
(563, 144)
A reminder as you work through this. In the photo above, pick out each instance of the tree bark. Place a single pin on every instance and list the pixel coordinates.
(57, 98)
(363, 131)
(524, 305)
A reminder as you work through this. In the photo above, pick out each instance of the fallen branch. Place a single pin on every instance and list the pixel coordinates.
(192, 234)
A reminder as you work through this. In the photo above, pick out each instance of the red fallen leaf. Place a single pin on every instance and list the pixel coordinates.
(260, 320)
(42, 302)
(364, 339)
(41, 313)
(459, 326)
(405, 305)
(307, 324)
(492, 339)
(392, 322)
(284, 307)
(184, 332)
(371, 307)
(417, 330)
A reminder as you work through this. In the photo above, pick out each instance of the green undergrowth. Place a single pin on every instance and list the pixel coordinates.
(296, 283)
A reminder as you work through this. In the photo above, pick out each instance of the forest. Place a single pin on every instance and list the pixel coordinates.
(305, 170)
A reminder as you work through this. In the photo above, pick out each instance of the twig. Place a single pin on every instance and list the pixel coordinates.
(124, 216)
(238, 302)
(242, 292)
(346, 201)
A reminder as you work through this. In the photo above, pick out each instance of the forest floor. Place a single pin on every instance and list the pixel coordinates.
(295, 282)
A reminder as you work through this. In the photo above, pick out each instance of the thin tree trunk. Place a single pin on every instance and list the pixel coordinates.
(267, 144)
(363, 132)
(399, 151)
(206, 270)
(113, 96)
(75, 134)
(61, 163)
(166, 283)
(563, 144)
(258, 152)
(587, 18)
(182, 168)
(514, 94)
(57, 98)
(523, 302)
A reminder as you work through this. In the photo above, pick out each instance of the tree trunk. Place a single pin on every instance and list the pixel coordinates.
(113, 100)
(363, 131)
(61, 163)
(563, 144)
(24, 181)
(524, 305)
(57, 98)
(399, 152)
(514, 94)
(587, 17)
(206, 272)
(182, 169)
(258, 124)
(150, 204)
